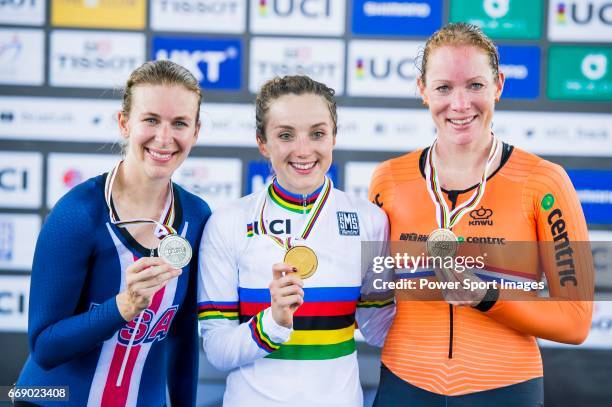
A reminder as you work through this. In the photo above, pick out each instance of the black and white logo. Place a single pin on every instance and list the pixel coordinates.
(348, 223)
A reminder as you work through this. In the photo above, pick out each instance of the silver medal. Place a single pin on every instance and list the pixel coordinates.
(175, 250)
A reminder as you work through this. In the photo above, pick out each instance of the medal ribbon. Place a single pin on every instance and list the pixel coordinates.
(167, 219)
(310, 222)
(444, 216)
(162, 230)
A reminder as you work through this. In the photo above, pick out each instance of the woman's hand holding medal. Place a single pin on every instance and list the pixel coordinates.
(143, 278)
(464, 294)
(286, 293)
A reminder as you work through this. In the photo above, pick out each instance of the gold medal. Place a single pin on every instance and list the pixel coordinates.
(303, 259)
(442, 243)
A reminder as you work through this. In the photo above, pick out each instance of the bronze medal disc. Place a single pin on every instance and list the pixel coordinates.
(303, 259)
(442, 243)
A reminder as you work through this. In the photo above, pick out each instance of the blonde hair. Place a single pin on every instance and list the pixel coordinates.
(456, 34)
(160, 73)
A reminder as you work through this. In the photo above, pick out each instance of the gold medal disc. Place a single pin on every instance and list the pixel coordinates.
(442, 243)
(303, 259)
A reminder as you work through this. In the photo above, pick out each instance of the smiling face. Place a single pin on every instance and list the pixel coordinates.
(299, 140)
(461, 91)
(160, 129)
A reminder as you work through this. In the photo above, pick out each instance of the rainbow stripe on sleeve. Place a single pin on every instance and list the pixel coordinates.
(217, 310)
(323, 326)
(259, 336)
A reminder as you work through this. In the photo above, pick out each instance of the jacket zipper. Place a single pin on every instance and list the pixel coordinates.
(452, 196)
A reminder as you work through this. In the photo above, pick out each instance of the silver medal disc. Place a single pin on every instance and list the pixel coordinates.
(175, 250)
(442, 243)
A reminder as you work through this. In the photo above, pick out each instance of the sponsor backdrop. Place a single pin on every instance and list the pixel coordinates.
(62, 63)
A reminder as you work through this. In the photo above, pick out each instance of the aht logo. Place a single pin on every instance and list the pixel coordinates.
(594, 66)
(385, 68)
(13, 179)
(581, 15)
(192, 60)
(496, 8)
(286, 8)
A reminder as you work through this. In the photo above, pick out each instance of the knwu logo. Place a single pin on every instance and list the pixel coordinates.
(496, 8)
(286, 8)
(594, 66)
(191, 60)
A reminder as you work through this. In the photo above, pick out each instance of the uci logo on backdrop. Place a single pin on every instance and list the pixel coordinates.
(324, 17)
(216, 63)
(20, 180)
(574, 20)
(382, 68)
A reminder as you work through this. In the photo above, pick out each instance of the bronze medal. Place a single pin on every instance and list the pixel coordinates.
(303, 259)
(442, 243)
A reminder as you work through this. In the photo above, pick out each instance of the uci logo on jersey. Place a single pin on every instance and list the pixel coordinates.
(348, 223)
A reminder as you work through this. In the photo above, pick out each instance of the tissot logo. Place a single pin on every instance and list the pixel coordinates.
(320, 59)
(216, 180)
(30, 12)
(94, 59)
(481, 217)
(381, 68)
(216, 63)
(321, 17)
(227, 16)
(580, 20)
